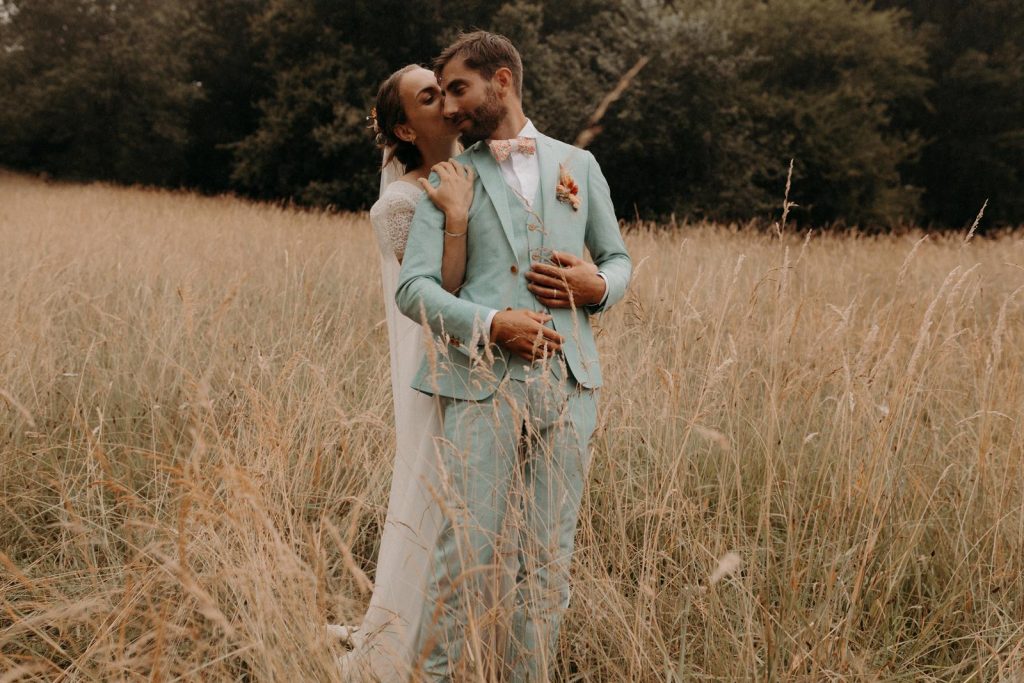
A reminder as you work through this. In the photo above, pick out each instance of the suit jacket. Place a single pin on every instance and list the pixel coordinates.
(458, 367)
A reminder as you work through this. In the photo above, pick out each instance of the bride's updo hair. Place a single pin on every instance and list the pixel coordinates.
(390, 113)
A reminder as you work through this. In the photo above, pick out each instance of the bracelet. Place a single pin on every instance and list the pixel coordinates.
(455, 234)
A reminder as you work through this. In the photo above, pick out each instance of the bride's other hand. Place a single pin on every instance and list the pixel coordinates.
(454, 195)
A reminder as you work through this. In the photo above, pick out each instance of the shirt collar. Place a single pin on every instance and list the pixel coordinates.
(527, 131)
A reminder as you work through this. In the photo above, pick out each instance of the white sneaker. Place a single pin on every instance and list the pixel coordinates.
(351, 666)
(342, 632)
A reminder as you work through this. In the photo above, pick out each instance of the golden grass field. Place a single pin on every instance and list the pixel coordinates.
(196, 444)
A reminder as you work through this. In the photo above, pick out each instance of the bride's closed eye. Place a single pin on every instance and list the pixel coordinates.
(428, 96)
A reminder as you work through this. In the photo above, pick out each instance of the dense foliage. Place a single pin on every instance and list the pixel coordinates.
(894, 111)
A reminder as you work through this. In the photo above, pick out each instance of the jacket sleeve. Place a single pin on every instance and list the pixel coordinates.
(419, 294)
(603, 238)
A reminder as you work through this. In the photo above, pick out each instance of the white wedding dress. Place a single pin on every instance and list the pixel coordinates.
(384, 643)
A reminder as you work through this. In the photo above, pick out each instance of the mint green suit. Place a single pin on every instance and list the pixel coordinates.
(492, 400)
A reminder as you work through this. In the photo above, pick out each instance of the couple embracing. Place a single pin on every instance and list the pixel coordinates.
(494, 370)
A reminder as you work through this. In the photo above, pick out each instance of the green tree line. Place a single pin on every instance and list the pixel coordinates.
(892, 112)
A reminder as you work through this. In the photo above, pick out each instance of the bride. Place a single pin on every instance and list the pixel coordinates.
(416, 139)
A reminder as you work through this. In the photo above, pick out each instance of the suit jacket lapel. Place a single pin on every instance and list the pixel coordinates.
(494, 183)
(548, 159)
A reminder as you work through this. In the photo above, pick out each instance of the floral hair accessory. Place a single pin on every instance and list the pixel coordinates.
(567, 190)
(371, 120)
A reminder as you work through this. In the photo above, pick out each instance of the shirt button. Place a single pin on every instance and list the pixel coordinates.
(514, 270)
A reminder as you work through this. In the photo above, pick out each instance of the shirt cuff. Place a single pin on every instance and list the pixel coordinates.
(485, 338)
(605, 297)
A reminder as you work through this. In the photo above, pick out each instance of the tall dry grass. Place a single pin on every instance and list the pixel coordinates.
(196, 440)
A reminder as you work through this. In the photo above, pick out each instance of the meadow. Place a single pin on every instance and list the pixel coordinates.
(196, 439)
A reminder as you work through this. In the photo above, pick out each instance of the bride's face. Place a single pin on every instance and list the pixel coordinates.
(421, 100)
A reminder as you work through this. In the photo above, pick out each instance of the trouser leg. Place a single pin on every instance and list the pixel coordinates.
(561, 421)
(477, 466)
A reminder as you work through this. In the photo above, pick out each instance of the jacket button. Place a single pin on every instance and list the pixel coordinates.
(514, 270)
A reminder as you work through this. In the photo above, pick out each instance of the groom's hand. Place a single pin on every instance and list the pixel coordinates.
(569, 282)
(523, 333)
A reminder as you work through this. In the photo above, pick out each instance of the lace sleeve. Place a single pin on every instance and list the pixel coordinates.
(391, 217)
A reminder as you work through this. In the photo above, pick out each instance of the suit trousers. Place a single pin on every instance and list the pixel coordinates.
(524, 451)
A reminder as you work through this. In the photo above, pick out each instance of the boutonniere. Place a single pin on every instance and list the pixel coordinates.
(567, 190)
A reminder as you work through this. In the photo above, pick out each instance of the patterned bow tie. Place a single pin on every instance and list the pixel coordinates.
(501, 149)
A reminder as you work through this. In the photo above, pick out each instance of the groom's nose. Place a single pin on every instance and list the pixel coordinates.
(450, 109)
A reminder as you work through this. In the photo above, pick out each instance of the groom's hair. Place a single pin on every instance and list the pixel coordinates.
(484, 52)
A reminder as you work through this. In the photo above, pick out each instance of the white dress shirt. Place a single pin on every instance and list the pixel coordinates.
(522, 171)
(522, 174)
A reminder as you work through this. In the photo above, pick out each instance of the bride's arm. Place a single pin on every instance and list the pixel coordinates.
(453, 197)
(453, 262)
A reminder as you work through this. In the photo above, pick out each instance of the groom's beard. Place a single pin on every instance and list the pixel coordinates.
(486, 118)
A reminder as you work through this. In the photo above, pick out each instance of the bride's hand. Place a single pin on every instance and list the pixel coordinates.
(454, 195)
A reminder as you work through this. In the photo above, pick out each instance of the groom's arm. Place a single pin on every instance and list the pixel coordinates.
(604, 239)
(420, 295)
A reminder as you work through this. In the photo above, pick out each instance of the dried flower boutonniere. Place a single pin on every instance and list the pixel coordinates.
(567, 190)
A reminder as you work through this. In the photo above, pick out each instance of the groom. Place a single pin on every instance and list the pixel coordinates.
(517, 370)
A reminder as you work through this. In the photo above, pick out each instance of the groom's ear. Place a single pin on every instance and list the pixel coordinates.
(505, 81)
